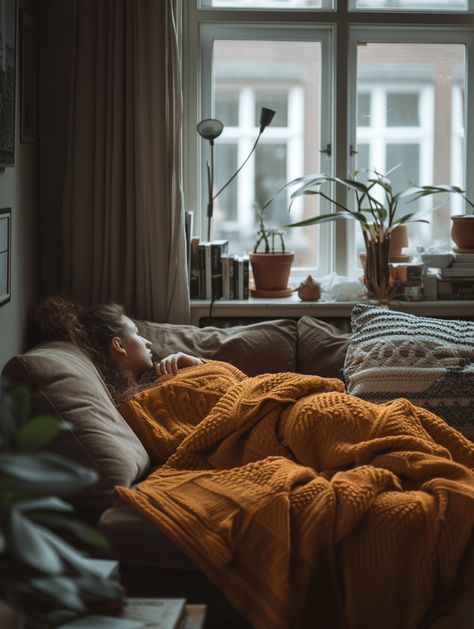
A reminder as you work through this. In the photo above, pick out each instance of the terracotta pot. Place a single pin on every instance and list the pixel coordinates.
(398, 240)
(271, 270)
(462, 231)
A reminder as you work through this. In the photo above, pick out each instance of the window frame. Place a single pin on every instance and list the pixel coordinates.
(346, 26)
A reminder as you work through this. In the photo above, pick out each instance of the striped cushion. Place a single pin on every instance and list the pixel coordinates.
(428, 361)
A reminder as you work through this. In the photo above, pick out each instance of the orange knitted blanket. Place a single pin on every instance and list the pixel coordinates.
(306, 506)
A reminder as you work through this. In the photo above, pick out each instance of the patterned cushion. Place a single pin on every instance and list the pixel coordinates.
(428, 361)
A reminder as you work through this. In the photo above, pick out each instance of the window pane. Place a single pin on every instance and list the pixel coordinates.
(280, 104)
(410, 5)
(363, 110)
(284, 76)
(227, 107)
(417, 121)
(402, 110)
(226, 203)
(268, 4)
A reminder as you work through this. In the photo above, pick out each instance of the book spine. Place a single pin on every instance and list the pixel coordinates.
(225, 261)
(245, 290)
(240, 293)
(231, 277)
(455, 289)
(218, 249)
(208, 271)
(202, 271)
(194, 271)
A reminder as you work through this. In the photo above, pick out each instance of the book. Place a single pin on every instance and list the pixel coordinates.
(194, 270)
(156, 613)
(455, 289)
(227, 261)
(188, 231)
(205, 278)
(450, 271)
(218, 247)
(246, 272)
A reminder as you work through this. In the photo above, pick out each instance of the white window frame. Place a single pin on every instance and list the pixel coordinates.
(346, 27)
(400, 35)
(324, 36)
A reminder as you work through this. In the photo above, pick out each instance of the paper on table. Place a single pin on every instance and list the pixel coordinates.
(102, 622)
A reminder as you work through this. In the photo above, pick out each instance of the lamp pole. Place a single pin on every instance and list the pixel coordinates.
(210, 129)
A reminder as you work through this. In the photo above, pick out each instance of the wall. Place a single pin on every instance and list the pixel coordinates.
(19, 191)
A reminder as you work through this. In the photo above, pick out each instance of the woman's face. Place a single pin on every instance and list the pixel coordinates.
(138, 349)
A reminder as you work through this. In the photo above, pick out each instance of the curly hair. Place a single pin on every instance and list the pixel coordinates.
(91, 329)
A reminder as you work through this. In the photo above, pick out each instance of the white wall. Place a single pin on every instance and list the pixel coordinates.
(19, 191)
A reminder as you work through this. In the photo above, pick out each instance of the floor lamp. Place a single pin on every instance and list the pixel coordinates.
(210, 129)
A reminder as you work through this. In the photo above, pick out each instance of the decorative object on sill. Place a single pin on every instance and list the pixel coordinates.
(377, 218)
(270, 268)
(309, 290)
(462, 233)
(42, 576)
(462, 229)
(210, 129)
(398, 241)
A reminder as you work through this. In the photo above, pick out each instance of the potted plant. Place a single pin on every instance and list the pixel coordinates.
(462, 229)
(43, 578)
(376, 206)
(270, 267)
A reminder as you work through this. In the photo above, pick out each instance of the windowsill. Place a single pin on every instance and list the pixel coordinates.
(294, 307)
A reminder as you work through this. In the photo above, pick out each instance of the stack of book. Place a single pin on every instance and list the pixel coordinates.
(215, 273)
(457, 279)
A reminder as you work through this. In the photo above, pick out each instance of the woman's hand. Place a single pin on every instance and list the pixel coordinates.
(173, 362)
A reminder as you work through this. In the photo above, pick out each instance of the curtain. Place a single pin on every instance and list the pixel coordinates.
(123, 223)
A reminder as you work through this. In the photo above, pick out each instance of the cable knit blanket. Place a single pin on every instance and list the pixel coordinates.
(307, 507)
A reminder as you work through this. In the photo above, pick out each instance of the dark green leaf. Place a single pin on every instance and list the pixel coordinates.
(48, 503)
(63, 590)
(83, 532)
(37, 432)
(43, 472)
(322, 218)
(70, 555)
(29, 543)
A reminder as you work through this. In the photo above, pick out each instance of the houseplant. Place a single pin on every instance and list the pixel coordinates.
(462, 230)
(42, 576)
(376, 211)
(270, 267)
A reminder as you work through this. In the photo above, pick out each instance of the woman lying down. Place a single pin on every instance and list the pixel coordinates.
(306, 506)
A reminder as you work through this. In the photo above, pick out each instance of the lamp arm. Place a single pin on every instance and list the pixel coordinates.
(239, 169)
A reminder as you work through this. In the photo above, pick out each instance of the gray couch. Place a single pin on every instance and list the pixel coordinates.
(65, 383)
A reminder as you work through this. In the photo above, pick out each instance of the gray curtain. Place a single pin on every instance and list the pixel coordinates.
(123, 225)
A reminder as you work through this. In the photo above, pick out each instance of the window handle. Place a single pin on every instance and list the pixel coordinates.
(327, 150)
(353, 151)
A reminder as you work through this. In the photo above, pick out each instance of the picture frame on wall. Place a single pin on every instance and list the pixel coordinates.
(28, 77)
(5, 254)
(7, 81)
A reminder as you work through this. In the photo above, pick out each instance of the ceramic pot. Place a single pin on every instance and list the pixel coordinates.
(462, 231)
(271, 271)
(398, 240)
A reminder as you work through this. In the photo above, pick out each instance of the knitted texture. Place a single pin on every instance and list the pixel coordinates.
(309, 507)
(429, 361)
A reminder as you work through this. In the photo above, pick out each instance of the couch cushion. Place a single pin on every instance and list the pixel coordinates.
(428, 361)
(321, 348)
(65, 383)
(264, 347)
(151, 547)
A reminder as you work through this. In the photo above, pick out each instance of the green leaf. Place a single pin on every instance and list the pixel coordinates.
(43, 472)
(37, 432)
(83, 532)
(322, 218)
(29, 543)
(41, 504)
(63, 590)
(70, 555)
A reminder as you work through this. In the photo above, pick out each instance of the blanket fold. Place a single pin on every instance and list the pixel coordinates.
(306, 506)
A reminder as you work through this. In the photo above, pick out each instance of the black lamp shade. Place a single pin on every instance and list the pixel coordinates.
(266, 116)
(210, 128)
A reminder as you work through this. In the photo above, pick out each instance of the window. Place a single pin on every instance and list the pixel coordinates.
(347, 97)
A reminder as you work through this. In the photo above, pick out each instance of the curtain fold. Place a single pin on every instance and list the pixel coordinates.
(123, 224)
